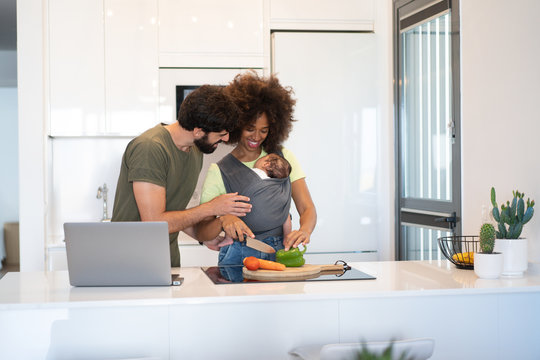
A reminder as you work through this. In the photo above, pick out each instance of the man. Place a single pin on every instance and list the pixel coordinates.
(160, 168)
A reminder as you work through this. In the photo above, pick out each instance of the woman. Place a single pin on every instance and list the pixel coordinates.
(265, 122)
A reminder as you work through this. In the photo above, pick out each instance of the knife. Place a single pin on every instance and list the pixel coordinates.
(259, 245)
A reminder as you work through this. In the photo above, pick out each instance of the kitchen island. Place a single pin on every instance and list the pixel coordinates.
(43, 317)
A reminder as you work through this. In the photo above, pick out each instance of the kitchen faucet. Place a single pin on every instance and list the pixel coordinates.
(102, 193)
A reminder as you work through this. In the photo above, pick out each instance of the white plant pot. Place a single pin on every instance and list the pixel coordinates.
(488, 266)
(515, 255)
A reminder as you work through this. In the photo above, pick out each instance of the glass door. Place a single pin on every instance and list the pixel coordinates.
(427, 134)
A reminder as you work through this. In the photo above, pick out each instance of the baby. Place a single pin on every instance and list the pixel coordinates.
(271, 166)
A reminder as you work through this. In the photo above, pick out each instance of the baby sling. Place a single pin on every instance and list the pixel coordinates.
(271, 198)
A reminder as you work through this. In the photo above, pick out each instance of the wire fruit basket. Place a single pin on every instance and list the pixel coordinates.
(459, 250)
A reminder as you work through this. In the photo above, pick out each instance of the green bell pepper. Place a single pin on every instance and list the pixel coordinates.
(292, 257)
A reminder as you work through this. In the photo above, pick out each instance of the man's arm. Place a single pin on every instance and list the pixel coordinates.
(151, 202)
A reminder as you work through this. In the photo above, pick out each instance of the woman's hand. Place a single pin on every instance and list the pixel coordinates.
(235, 228)
(296, 238)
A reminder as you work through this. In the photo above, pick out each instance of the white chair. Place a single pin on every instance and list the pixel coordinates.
(417, 349)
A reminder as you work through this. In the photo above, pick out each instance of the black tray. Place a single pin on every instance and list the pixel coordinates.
(233, 274)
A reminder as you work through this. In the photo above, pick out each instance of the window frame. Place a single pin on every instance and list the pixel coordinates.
(408, 14)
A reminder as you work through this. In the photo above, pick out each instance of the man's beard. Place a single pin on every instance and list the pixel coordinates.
(205, 146)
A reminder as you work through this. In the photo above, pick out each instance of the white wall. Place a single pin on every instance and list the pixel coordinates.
(385, 152)
(500, 92)
(32, 103)
(74, 180)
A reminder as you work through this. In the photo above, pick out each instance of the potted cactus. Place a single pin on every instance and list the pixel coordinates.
(488, 264)
(510, 221)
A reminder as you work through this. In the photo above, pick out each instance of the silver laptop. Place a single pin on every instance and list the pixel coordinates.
(118, 254)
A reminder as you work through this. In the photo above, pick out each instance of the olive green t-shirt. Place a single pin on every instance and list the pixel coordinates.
(153, 157)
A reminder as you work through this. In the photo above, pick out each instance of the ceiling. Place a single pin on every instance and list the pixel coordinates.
(8, 25)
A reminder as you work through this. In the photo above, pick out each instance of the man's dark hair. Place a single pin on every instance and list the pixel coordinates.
(208, 108)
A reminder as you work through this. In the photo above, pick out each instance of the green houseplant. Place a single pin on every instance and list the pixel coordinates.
(488, 264)
(387, 354)
(510, 219)
(406, 349)
(487, 238)
(512, 216)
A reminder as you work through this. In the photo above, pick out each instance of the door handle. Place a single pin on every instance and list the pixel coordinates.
(452, 220)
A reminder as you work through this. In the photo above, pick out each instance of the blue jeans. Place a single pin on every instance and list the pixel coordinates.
(235, 253)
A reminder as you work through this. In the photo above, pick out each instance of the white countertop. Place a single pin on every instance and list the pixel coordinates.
(30, 290)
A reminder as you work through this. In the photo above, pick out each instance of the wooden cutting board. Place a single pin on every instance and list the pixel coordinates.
(304, 272)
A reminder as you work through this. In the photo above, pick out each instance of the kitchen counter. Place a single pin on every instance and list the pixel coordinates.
(394, 279)
(408, 299)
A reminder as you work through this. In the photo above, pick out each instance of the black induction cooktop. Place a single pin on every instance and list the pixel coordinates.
(233, 274)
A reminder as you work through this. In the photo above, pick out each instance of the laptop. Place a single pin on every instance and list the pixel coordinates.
(119, 254)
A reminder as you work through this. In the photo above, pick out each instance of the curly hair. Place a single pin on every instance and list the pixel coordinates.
(254, 96)
(209, 108)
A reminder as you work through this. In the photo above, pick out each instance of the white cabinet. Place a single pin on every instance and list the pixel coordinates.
(76, 53)
(131, 65)
(353, 15)
(197, 255)
(211, 33)
(103, 67)
(337, 107)
(56, 257)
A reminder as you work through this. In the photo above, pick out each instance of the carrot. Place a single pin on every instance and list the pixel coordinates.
(271, 265)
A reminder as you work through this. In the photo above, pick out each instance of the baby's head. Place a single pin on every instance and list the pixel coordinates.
(274, 165)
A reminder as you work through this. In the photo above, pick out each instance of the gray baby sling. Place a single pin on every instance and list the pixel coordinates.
(271, 198)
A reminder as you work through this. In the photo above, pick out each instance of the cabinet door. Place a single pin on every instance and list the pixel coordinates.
(211, 33)
(77, 85)
(338, 107)
(357, 15)
(131, 65)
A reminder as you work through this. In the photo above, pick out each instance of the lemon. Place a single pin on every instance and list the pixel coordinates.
(466, 257)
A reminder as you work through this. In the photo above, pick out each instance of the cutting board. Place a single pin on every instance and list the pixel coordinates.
(304, 272)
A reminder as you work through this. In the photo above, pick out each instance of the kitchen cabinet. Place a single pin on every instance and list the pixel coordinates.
(56, 257)
(131, 65)
(103, 67)
(76, 67)
(334, 15)
(211, 33)
(409, 299)
(341, 97)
